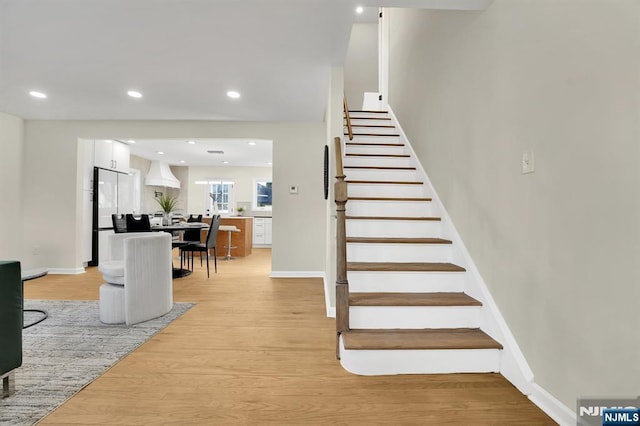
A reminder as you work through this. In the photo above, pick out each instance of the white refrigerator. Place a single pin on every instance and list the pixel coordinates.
(113, 194)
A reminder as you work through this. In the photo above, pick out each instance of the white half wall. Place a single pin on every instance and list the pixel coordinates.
(335, 129)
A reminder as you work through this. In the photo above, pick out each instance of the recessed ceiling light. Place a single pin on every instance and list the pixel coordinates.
(108, 140)
(269, 163)
(191, 142)
(225, 162)
(233, 94)
(182, 161)
(134, 94)
(359, 9)
(252, 143)
(37, 94)
(160, 152)
(131, 141)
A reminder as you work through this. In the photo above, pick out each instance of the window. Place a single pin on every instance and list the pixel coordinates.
(221, 193)
(220, 190)
(262, 195)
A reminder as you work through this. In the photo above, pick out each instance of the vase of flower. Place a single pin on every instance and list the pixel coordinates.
(167, 204)
(214, 199)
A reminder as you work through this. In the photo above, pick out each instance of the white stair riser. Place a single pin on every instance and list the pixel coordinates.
(387, 175)
(405, 281)
(364, 252)
(375, 139)
(389, 208)
(377, 161)
(373, 130)
(385, 190)
(369, 149)
(393, 228)
(386, 362)
(377, 121)
(356, 115)
(414, 316)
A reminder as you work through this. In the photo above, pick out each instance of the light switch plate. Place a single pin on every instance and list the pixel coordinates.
(293, 189)
(527, 162)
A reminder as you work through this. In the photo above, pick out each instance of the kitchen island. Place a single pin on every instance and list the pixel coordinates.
(241, 242)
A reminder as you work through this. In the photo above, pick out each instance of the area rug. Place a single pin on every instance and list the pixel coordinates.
(66, 352)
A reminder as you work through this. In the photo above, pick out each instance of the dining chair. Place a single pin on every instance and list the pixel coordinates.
(191, 236)
(138, 225)
(209, 244)
(119, 223)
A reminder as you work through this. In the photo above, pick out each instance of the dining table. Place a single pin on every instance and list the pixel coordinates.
(179, 227)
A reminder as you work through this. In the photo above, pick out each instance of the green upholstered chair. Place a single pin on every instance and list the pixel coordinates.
(11, 304)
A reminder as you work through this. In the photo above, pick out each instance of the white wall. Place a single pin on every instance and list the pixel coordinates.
(52, 215)
(11, 167)
(558, 248)
(242, 176)
(148, 203)
(361, 64)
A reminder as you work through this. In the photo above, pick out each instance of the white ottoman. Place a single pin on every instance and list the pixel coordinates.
(111, 303)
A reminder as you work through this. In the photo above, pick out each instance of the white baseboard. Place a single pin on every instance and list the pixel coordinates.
(552, 406)
(66, 271)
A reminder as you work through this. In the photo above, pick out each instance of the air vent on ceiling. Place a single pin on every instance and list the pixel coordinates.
(213, 151)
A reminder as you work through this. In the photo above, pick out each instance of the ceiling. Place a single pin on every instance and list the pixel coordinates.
(183, 56)
(236, 152)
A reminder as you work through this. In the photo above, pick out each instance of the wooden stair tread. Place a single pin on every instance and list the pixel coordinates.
(374, 144)
(367, 118)
(396, 240)
(456, 338)
(389, 199)
(428, 218)
(386, 182)
(386, 126)
(404, 266)
(380, 167)
(412, 299)
(379, 155)
(368, 111)
(374, 134)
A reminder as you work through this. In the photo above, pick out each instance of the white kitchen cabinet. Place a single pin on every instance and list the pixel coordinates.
(112, 155)
(262, 231)
(267, 231)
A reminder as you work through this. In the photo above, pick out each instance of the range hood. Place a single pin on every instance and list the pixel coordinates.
(160, 175)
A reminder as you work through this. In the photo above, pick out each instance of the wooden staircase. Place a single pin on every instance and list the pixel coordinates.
(407, 307)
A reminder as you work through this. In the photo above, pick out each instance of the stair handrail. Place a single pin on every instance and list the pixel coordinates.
(346, 114)
(342, 284)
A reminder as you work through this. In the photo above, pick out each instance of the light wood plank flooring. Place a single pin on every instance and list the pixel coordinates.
(256, 350)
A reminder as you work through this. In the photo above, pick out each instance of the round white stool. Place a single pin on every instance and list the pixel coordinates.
(111, 303)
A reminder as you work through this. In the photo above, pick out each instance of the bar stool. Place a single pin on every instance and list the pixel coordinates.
(229, 229)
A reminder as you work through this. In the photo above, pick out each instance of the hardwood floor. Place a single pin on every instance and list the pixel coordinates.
(256, 350)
